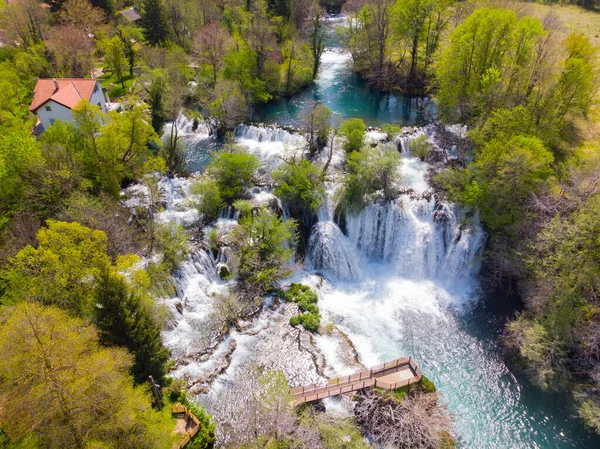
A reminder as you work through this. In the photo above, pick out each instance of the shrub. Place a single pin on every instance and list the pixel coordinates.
(353, 131)
(299, 185)
(205, 438)
(208, 198)
(428, 385)
(306, 299)
(263, 250)
(233, 170)
(419, 147)
(372, 174)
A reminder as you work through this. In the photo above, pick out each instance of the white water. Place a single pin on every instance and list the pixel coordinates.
(402, 282)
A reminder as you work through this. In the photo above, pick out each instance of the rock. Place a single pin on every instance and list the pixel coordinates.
(179, 307)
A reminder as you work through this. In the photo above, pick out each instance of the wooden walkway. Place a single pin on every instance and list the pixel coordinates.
(390, 375)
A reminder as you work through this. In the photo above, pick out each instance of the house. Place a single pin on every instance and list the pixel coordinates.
(53, 99)
(131, 15)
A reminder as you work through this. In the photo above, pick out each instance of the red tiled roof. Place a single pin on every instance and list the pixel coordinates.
(70, 91)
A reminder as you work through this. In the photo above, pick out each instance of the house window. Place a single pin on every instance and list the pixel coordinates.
(95, 87)
(48, 108)
(52, 121)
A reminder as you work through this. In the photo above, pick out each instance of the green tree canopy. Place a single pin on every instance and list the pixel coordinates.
(353, 131)
(124, 319)
(62, 270)
(263, 242)
(68, 390)
(233, 169)
(154, 22)
(299, 185)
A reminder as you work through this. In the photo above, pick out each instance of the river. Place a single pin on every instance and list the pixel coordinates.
(402, 281)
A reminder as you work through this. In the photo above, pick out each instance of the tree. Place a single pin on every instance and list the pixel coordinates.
(316, 122)
(72, 49)
(489, 59)
(18, 151)
(123, 145)
(62, 270)
(208, 198)
(416, 421)
(14, 94)
(316, 34)
(212, 43)
(503, 177)
(83, 15)
(114, 56)
(420, 23)
(57, 382)
(25, 21)
(156, 85)
(372, 174)
(299, 185)
(124, 319)
(154, 22)
(259, 36)
(229, 106)
(353, 132)
(263, 253)
(233, 170)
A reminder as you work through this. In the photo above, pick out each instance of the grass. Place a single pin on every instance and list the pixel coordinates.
(574, 18)
(400, 393)
(116, 91)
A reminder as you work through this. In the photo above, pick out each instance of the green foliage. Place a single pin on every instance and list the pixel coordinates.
(154, 22)
(392, 131)
(372, 174)
(306, 299)
(542, 354)
(501, 179)
(336, 433)
(205, 438)
(353, 131)
(114, 56)
(263, 249)
(233, 169)
(172, 241)
(428, 385)
(420, 147)
(209, 201)
(124, 319)
(310, 321)
(229, 105)
(78, 373)
(300, 187)
(317, 123)
(18, 150)
(589, 411)
(490, 58)
(62, 270)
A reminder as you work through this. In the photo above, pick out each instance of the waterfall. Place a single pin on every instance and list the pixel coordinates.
(418, 238)
(269, 134)
(332, 252)
(268, 143)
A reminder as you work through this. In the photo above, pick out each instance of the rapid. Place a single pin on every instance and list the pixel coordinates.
(398, 279)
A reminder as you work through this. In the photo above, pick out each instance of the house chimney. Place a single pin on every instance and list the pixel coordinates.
(55, 85)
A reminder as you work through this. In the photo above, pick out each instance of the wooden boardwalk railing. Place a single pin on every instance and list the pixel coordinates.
(181, 411)
(390, 375)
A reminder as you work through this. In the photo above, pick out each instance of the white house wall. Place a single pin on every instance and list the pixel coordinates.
(98, 98)
(57, 112)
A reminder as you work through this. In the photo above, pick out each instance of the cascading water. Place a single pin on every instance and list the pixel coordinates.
(401, 281)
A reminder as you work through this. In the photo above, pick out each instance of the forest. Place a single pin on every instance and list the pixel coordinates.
(84, 274)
